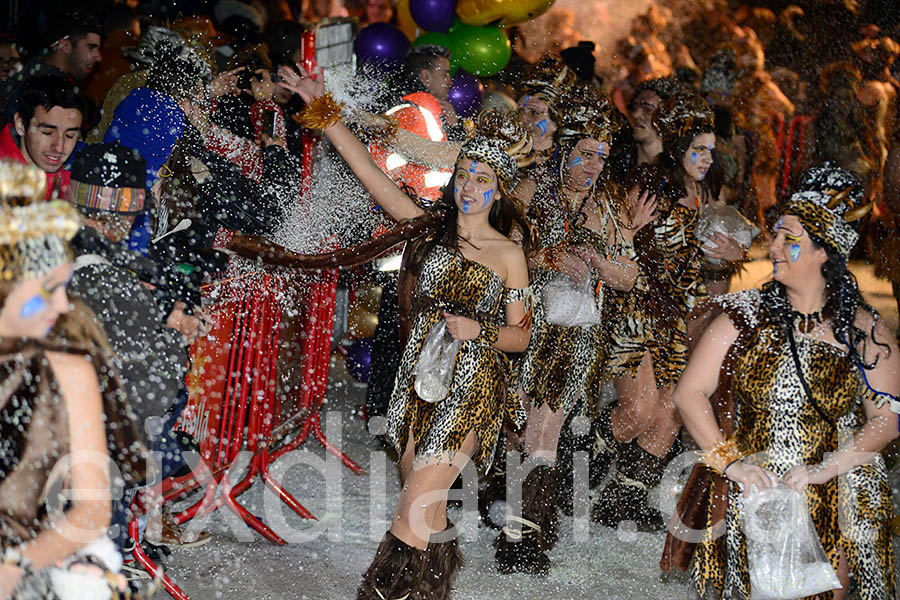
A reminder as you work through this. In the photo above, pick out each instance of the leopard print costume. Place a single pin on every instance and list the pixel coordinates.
(635, 328)
(773, 415)
(559, 360)
(481, 394)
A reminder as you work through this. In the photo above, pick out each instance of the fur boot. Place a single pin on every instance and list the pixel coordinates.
(396, 572)
(523, 543)
(626, 497)
(444, 560)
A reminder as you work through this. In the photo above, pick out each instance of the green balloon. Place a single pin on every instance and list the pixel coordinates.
(481, 51)
(435, 38)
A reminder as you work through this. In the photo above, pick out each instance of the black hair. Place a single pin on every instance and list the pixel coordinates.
(75, 26)
(504, 216)
(670, 161)
(119, 16)
(283, 40)
(423, 57)
(48, 91)
(842, 301)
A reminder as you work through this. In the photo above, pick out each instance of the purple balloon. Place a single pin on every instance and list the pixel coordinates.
(381, 43)
(359, 359)
(465, 94)
(433, 15)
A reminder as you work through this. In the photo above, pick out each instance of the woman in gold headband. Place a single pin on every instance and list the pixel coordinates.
(576, 209)
(472, 278)
(55, 423)
(794, 382)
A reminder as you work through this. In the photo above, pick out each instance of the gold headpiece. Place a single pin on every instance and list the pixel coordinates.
(34, 235)
(548, 79)
(680, 115)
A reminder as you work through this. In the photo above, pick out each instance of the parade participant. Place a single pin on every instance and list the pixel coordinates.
(45, 129)
(539, 105)
(649, 340)
(647, 143)
(59, 399)
(795, 381)
(576, 209)
(471, 277)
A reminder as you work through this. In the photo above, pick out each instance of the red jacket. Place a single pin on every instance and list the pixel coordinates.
(56, 182)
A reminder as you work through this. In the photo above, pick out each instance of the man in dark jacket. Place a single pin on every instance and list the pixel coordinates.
(149, 337)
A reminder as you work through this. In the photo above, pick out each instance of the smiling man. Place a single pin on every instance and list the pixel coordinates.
(45, 128)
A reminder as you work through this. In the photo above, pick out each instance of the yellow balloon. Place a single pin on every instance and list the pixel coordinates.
(500, 12)
(369, 297)
(361, 322)
(406, 23)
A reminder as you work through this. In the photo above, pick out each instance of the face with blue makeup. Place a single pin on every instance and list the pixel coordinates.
(585, 163)
(534, 112)
(795, 259)
(475, 187)
(698, 158)
(32, 306)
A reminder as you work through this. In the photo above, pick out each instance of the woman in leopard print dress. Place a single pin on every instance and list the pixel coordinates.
(576, 209)
(473, 277)
(648, 348)
(803, 376)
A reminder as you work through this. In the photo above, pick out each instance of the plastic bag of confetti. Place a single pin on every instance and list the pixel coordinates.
(728, 221)
(433, 372)
(785, 556)
(570, 304)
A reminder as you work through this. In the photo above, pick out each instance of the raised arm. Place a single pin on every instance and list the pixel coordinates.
(397, 204)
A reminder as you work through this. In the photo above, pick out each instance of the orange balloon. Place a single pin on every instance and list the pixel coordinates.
(405, 22)
(500, 12)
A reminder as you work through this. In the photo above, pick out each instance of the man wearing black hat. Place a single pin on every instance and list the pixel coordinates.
(148, 333)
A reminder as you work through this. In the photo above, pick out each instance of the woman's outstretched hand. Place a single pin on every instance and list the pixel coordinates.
(301, 83)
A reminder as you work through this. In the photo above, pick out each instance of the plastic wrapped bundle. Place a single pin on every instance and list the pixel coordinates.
(785, 556)
(728, 221)
(571, 304)
(437, 359)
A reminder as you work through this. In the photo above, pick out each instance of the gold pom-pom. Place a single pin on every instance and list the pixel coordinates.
(321, 113)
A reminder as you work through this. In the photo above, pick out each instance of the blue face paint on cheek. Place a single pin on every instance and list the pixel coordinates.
(575, 162)
(794, 252)
(543, 125)
(694, 157)
(487, 197)
(33, 307)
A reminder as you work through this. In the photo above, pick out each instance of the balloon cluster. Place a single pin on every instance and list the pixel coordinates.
(473, 31)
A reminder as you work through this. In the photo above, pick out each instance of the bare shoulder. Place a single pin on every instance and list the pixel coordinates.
(75, 372)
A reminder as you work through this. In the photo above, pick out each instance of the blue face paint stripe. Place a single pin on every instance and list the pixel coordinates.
(543, 125)
(487, 197)
(575, 161)
(33, 307)
(472, 168)
(694, 157)
(794, 252)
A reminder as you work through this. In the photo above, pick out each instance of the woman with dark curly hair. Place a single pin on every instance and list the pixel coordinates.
(794, 382)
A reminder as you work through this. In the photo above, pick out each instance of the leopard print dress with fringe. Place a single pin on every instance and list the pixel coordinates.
(852, 513)
(481, 394)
